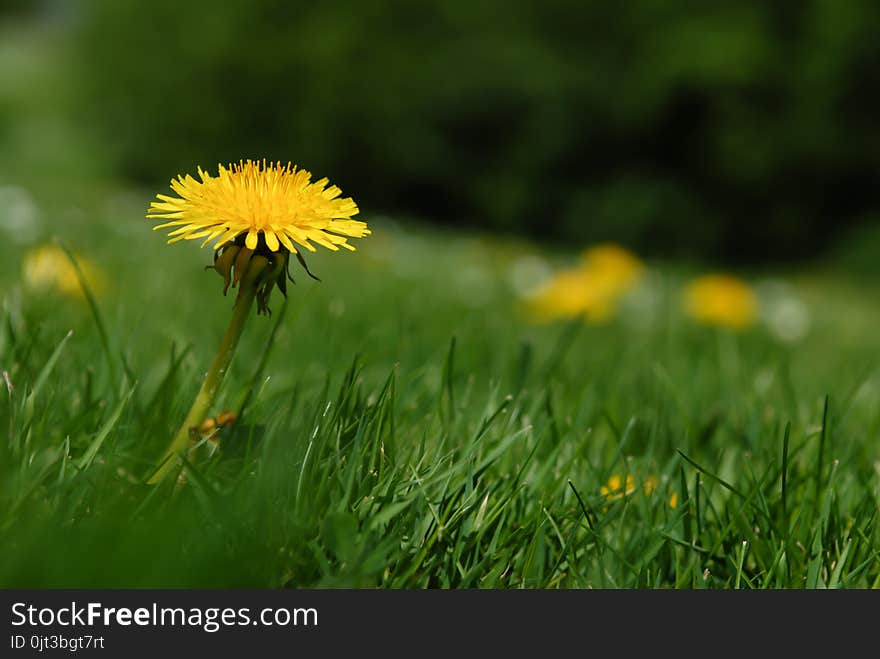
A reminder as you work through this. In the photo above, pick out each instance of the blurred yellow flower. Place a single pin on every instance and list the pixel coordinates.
(615, 488)
(592, 288)
(618, 487)
(721, 300)
(47, 268)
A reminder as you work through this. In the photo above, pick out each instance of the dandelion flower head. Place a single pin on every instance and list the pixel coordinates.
(721, 300)
(48, 268)
(592, 288)
(257, 215)
(618, 266)
(267, 204)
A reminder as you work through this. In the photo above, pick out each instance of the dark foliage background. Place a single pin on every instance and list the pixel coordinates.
(741, 130)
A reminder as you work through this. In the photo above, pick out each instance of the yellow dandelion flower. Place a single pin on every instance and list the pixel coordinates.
(47, 268)
(721, 300)
(257, 209)
(569, 294)
(257, 215)
(618, 486)
(673, 500)
(616, 263)
(275, 204)
(615, 489)
(593, 288)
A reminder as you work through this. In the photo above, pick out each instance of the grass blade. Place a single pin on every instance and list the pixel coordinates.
(723, 483)
(86, 460)
(821, 460)
(264, 359)
(42, 378)
(785, 439)
(96, 314)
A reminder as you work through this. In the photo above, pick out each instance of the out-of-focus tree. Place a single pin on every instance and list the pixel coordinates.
(740, 129)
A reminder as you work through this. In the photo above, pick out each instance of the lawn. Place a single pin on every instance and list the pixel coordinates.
(405, 423)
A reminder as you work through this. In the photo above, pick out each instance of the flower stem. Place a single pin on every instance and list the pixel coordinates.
(205, 398)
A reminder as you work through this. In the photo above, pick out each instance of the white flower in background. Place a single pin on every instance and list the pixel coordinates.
(527, 274)
(19, 215)
(786, 316)
(641, 307)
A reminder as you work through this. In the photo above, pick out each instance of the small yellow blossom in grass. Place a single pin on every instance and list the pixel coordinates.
(256, 214)
(593, 288)
(673, 500)
(619, 486)
(615, 488)
(721, 300)
(48, 268)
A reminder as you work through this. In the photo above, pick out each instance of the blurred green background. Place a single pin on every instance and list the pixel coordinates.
(487, 144)
(743, 132)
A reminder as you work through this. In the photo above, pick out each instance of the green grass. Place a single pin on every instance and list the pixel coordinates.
(407, 427)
